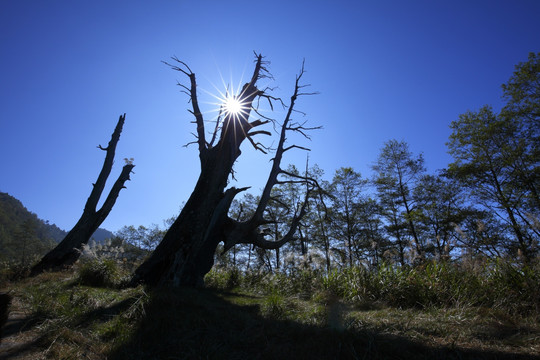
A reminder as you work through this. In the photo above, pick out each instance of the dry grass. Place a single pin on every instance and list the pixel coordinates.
(55, 317)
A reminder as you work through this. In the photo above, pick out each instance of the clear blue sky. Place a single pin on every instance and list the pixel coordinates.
(384, 69)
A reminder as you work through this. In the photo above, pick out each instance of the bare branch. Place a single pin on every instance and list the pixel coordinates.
(270, 98)
(257, 146)
(187, 90)
(216, 128)
(184, 68)
(262, 115)
(258, 123)
(191, 142)
(301, 129)
(296, 147)
(259, 132)
(174, 67)
(284, 182)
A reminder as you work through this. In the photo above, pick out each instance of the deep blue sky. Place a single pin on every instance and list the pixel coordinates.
(384, 69)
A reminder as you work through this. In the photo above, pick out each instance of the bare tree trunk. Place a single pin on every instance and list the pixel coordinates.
(69, 249)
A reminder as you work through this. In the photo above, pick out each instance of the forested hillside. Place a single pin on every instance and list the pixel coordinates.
(23, 234)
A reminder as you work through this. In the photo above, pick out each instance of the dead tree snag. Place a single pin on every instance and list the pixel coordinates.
(69, 249)
(186, 252)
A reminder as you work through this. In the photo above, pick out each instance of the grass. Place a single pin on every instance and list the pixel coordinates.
(346, 315)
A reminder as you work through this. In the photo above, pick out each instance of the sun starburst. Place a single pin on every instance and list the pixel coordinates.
(233, 106)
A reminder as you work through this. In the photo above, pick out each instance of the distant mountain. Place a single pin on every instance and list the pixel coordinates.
(101, 235)
(23, 231)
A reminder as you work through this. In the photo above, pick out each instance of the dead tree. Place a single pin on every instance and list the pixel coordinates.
(186, 252)
(69, 249)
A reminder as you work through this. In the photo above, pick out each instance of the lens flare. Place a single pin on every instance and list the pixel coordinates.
(233, 106)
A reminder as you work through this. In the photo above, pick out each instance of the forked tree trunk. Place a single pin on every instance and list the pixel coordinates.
(187, 250)
(183, 256)
(69, 249)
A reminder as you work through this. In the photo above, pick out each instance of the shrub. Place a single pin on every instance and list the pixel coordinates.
(14, 270)
(223, 279)
(499, 285)
(99, 272)
(273, 306)
(507, 286)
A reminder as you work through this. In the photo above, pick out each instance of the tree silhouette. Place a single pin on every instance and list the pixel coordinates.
(186, 252)
(69, 249)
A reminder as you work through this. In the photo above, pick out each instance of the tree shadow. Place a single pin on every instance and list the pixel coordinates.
(23, 326)
(200, 324)
(20, 326)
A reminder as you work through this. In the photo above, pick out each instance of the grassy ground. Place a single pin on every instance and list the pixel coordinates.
(56, 316)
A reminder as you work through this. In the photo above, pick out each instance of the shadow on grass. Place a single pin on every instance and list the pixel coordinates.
(40, 342)
(19, 326)
(200, 324)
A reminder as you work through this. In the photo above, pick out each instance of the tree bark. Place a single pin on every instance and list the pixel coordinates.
(69, 249)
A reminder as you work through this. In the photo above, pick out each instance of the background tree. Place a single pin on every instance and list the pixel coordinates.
(289, 198)
(242, 210)
(396, 174)
(346, 191)
(523, 110)
(318, 229)
(14, 218)
(496, 156)
(483, 147)
(395, 226)
(275, 212)
(128, 234)
(373, 242)
(481, 235)
(152, 237)
(28, 245)
(440, 209)
(187, 250)
(69, 249)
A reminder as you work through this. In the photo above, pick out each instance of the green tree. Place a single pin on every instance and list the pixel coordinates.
(481, 235)
(489, 159)
(396, 174)
(440, 207)
(152, 237)
(317, 220)
(395, 224)
(27, 243)
(523, 110)
(371, 232)
(346, 191)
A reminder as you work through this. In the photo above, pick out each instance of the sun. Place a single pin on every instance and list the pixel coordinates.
(233, 106)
